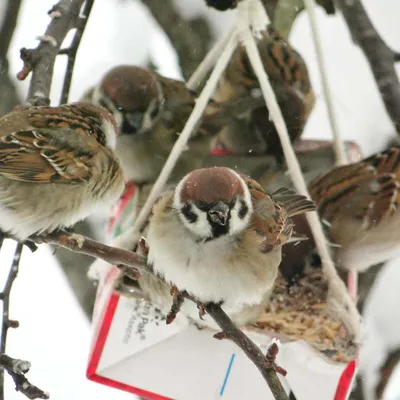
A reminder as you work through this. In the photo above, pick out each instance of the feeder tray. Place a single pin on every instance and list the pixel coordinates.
(301, 312)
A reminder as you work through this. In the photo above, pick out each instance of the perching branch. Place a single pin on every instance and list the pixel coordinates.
(265, 364)
(124, 258)
(17, 370)
(84, 245)
(380, 57)
(73, 49)
(191, 39)
(40, 61)
(6, 321)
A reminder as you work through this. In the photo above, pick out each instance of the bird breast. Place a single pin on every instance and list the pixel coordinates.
(228, 269)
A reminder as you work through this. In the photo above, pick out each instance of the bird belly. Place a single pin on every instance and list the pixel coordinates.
(30, 208)
(209, 272)
(377, 245)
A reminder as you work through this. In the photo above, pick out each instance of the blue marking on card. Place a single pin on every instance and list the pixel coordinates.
(228, 371)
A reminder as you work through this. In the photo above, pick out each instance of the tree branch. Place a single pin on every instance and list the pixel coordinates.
(17, 370)
(40, 61)
(8, 26)
(190, 39)
(73, 49)
(380, 57)
(131, 263)
(8, 94)
(232, 332)
(5, 298)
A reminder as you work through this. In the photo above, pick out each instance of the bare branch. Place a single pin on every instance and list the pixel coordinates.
(380, 57)
(8, 94)
(17, 370)
(262, 362)
(85, 245)
(73, 49)
(8, 26)
(190, 39)
(5, 298)
(41, 60)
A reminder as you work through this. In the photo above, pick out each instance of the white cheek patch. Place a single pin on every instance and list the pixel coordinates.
(200, 227)
(238, 224)
(111, 135)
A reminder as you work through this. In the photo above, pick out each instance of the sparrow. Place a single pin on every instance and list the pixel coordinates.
(57, 166)
(357, 204)
(218, 238)
(290, 80)
(151, 111)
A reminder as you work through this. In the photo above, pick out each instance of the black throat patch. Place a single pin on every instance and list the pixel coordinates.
(217, 229)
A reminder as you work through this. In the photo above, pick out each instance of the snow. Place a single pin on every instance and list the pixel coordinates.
(54, 334)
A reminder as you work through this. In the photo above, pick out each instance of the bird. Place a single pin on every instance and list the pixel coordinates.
(218, 237)
(151, 111)
(57, 166)
(290, 80)
(358, 205)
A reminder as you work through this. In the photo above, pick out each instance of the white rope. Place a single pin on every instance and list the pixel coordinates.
(180, 144)
(209, 60)
(338, 144)
(349, 311)
(252, 15)
(340, 153)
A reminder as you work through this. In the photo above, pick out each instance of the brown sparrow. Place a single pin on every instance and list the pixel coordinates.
(218, 236)
(358, 206)
(290, 80)
(150, 111)
(56, 167)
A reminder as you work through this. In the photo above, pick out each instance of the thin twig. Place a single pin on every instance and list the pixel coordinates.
(84, 245)
(380, 57)
(73, 49)
(8, 95)
(17, 369)
(5, 298)
(249, 348)
(8, 26)
(40, 61)
(190, 39)
(341, 158)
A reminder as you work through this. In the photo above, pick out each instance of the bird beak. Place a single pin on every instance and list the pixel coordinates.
(132, 122)
(219, 213)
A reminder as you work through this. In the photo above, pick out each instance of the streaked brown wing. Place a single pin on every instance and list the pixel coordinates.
(367, 191)
(32, 156)
(270, 220)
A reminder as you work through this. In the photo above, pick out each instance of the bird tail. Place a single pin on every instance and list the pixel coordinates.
(293, 203)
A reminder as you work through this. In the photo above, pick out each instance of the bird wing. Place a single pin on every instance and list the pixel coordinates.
(367, 191)
(35, 156)
(292, 202)
(270, 220)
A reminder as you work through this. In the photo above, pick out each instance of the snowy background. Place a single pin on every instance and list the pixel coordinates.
(54, 333)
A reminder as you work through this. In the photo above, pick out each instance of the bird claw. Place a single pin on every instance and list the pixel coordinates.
(143, 246)
(177, 300)
(202, 309)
